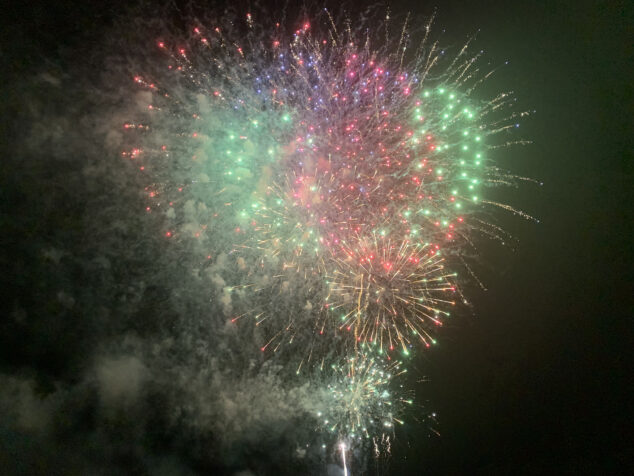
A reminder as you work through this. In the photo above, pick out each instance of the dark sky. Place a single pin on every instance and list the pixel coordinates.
(535, 379)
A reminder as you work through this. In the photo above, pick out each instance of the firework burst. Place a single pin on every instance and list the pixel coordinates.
(333, 176)
(359, 399)
(390, 293)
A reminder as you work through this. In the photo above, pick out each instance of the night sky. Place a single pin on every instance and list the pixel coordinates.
(534, 378)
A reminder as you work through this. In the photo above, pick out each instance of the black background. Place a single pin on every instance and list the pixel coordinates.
(537, 379)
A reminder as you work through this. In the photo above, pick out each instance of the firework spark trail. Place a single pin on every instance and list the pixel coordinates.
(338, 182)
(343, 457)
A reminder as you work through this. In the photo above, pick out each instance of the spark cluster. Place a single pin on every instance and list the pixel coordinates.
(360, 396)
(390, 293)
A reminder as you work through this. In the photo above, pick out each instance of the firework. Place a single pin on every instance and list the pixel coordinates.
(390, 292)
(332, 179)
(358, 401)
(307, 146)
